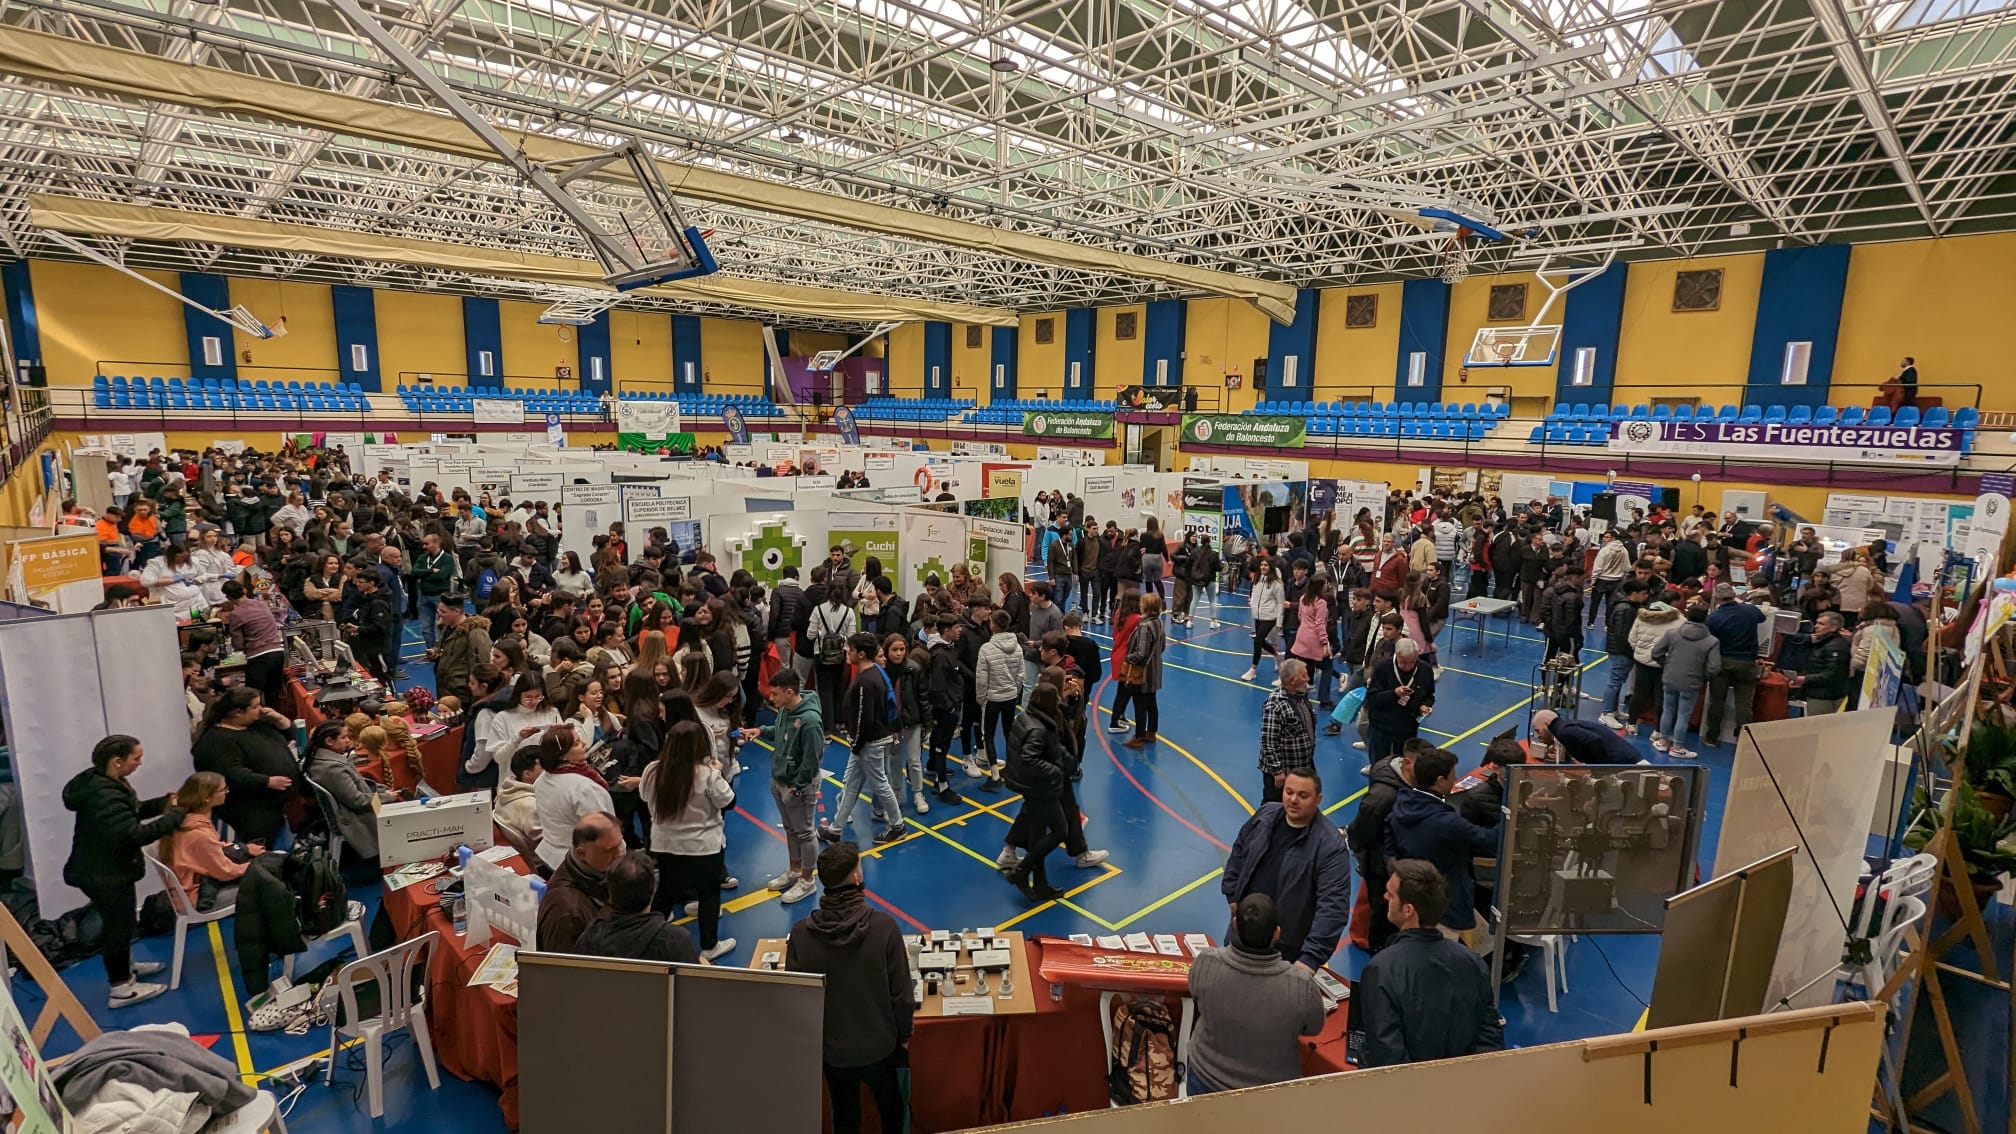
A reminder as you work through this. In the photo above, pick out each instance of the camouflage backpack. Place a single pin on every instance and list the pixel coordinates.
(1142, 1065)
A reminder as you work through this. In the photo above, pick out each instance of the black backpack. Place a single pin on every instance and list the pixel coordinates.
(312, 873)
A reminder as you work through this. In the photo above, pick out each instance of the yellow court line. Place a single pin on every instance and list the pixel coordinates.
(1032, 911)
(989, 808)
(1205, 768)
(962, 848)
(296, 1064)
(232, 1017)
(1164, 900)
(744, 902)
(1346, 801)
(1088, 915)
(1642, 1017)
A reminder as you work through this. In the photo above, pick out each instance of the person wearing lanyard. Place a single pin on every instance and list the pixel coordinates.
(434, 571)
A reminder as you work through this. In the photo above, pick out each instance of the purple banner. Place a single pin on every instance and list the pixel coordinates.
(1852, 444)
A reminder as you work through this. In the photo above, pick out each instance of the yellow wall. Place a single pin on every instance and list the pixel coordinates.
(420, 333)
(1945, 303)
(1224, 336)
(972, 367)
(906, 361)
(90, 314)
(1469, 303)
(805, 344)
(640, 349)
(731, 356)
(1117, 362)
(533, 351)
(307, 352)
(1040, 366)
(1664, 354)
(1355, 364)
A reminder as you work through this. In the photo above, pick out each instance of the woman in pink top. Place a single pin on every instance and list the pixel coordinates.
(1312, 627)
(207, 866)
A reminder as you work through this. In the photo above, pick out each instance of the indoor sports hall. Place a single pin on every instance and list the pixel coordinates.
(932, 566)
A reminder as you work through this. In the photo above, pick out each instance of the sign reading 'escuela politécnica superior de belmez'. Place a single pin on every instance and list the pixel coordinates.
(1859, 444)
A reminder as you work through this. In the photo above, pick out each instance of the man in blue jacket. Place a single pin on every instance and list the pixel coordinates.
(1290, 853)
(1423, 825)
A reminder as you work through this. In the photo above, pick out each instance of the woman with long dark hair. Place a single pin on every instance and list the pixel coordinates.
(246, 742)
(642, 738)
(687, 796)
(1039, 765)
(567, 791)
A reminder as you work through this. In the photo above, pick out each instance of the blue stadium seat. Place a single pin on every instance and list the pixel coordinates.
(101, 398)
(1879, 416)
(1907, 415)
(1640, 412)
(1824, 415)
(1936, 417)
(1662, 413)
(1751, 415)
(1851, 415)
(1966, 417)
(1728, 413)
(1774, 415)
(1800, 415)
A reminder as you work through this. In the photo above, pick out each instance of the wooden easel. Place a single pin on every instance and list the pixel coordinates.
(1924, 967)
(58, 1000)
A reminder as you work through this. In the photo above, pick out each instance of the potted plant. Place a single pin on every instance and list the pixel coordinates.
(1987, 844)
(1991, 766)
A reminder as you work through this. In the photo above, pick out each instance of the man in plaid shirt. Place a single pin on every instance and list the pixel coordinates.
(1287, 729)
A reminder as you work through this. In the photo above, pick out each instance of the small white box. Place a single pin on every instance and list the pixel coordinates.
(420, 829)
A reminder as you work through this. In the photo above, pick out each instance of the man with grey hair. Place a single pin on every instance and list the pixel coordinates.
(1734, 623)
(1400, 693)
(1824, 680)
(1287, 729)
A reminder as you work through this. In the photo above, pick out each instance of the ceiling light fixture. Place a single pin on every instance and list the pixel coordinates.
(1004, 64)
(793, 137)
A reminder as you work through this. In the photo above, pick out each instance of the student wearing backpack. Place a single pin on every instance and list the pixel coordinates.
(113, 824)
(870, 710)
(830, 625)
(1691, 657)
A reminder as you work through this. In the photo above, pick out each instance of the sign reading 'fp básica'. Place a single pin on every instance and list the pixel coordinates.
(1865, 444)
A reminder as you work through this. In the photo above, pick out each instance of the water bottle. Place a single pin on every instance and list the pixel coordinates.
(300, 736)
(458, 912)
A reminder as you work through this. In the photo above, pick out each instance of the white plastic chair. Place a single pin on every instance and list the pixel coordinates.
(1899, 918)
(1186, 1022)
(399, 1006)
(260, 1116)
(1906, 878)
(351, 928)
(1553, 962)
(186, 913)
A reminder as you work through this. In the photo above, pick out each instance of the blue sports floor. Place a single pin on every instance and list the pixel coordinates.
(1166, 813)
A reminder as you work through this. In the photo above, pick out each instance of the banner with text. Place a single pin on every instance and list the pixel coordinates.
(1865, 444)
(1059, 423)
(497, 411)
(1234, 429)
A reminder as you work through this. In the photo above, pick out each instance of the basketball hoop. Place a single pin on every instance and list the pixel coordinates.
(1455, 267)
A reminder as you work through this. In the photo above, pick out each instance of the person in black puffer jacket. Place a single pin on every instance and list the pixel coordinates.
(113, 824)
(1039, 765)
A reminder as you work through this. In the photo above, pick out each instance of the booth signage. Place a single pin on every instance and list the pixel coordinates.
(522, 483)
(50, 563)
(497, 411)
(814, 482)
(1098, 485)
(657, 509)
(1203, 496)
(1058, 423)
(1881, 444)
(878, 462)
(1234, 429)
(999, 533)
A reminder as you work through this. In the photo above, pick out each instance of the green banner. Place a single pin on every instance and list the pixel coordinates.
(1052, 423)
(1236, 429)
(670, 443)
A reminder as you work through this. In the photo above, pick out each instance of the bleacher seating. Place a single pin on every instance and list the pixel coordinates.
(460, 399)
(885, 408)
(1432, 421)
(155, 393)
(707, 405)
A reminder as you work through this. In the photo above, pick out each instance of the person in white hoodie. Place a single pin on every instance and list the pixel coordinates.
(1267, 604)
(293, 515)
(568, 791)
(517, 807)
(997, 685)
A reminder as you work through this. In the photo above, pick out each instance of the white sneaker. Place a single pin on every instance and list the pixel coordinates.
(975, 769)
(1249, 675)
(148, 968)
(1359, 745)
(1276, 685)
(923, 805)
(1660, 743)
(1678, 753)
(1092, 858)
(798, 891)
(690, 909)
(1007, 859)
(721, 949)
(1591, 697)
(1611, 721)
(134, 992)
(783, 881)
(1119, 724)
(731, 882)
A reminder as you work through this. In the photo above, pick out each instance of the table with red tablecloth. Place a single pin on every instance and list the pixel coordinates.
(475, 1030)
(439, 754)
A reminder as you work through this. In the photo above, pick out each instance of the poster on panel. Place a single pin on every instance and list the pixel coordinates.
(862, 535)
(765, 543)
(1810, 782)
(931, 542)
(587, 510)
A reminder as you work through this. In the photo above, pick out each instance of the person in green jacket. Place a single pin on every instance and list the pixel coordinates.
(174, 513)
(797, 741)
(435, 569)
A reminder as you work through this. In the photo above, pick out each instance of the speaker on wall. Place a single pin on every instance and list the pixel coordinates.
(1604, 506)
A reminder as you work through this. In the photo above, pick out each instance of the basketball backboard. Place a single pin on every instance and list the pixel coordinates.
(1514, 346)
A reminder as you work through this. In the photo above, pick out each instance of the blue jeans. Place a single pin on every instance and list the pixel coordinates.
(906, 761)
(870, 767)
(1678, 707)
(1060, 591)
(1620, 676)
(430, 611)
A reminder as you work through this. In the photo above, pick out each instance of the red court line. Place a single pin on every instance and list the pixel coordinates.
(1152, 798)
(878, 899)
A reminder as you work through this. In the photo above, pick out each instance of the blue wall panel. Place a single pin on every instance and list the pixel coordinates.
(213, 292)
(1593, 318)
(1800, 301)
(1295, 340)
(1424, 328)
(356, 310)
(687, 374)
(938, 360)
(1005, 343)
(1162, 341)
(592, 343)
(1079, 339)
(482, 331)
(21, 323)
